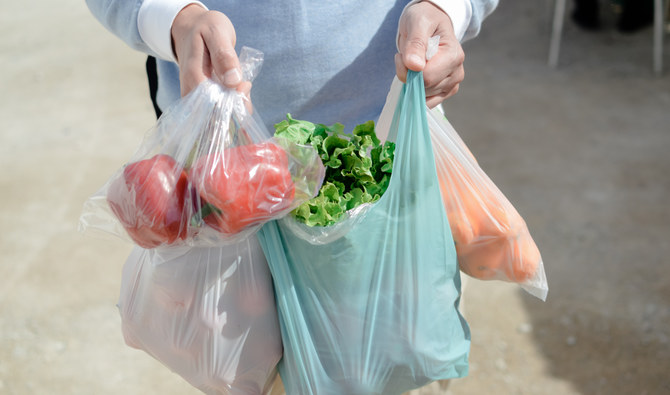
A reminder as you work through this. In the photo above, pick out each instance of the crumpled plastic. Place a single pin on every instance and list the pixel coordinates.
(208, 173)
(206, 313)
(492, 240)
(372, 308)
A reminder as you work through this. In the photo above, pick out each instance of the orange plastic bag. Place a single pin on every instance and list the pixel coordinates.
(492, 240)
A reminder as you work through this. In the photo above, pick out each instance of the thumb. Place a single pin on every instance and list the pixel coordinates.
(414, 49)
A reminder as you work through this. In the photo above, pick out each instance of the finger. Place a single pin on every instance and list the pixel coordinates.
(414, 45)
(435, 100)
(446, 64)
(220, 41)
(194, 67)
(245, 88)
(446, 84)
(453, 91)
(400, 69)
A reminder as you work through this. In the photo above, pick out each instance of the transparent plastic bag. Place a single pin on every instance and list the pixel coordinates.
(207, 313)
(371, 308)
(208, 173)
(492, 240)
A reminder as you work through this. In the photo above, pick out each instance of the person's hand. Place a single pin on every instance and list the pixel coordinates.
(204, 44)
(444, 72)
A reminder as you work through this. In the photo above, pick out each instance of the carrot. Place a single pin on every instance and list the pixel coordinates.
(491, 238)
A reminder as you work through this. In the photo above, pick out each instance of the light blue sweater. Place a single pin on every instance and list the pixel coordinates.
(325, 61)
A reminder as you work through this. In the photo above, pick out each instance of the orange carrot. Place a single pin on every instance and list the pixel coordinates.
(491, 238)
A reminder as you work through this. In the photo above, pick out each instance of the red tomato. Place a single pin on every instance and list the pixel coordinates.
(248, 184)
(148, 200)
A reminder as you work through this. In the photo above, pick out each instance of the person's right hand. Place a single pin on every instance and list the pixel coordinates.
(204, 44)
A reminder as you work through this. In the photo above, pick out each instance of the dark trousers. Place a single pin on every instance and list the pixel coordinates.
(152, 77)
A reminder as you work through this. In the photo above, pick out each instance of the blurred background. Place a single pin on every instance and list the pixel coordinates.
(580, 150)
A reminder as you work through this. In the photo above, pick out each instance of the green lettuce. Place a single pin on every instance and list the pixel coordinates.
(358, 167)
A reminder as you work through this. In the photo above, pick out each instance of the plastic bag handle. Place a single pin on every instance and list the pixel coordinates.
(383, 124)
(433, 44)
(251, 61)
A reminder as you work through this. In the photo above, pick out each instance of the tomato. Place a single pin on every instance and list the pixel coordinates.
(148, 199)
(247, 185)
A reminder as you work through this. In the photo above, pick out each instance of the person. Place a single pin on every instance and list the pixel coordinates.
(325, 62)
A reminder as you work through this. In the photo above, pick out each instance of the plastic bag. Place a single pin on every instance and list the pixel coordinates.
(372, 308)
(492, 240)
(209, 172)
(207, 313)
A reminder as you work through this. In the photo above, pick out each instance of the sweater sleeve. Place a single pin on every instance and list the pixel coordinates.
(144, 25)
(466, 15)
(480, 10)
(460, 12)
(120, 18)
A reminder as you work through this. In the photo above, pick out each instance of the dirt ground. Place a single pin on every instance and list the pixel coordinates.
(581, 151)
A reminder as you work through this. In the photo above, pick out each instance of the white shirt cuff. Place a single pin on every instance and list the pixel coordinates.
(154, 21)
(459, 11)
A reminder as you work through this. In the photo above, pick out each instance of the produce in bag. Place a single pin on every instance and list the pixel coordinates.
(372, 307)
(148, 199)
(208, 173)
(358, 167)
(206, 313)
(243, 195)
(492, 239)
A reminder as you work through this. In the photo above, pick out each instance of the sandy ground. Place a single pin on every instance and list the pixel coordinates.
(581, 151)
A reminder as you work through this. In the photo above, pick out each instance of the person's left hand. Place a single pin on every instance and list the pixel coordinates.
(444, 72)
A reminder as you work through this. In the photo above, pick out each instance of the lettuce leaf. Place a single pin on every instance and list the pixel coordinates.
(358, 167)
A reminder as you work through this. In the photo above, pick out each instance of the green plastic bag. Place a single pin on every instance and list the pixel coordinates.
(372, 307)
